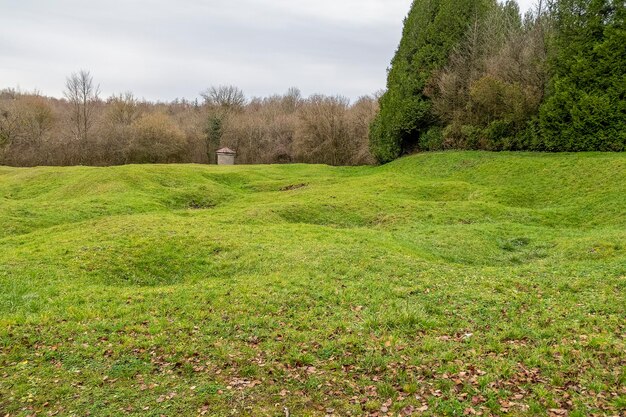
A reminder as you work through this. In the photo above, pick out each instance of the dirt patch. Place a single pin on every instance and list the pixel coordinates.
(294, 187)
(200, 205)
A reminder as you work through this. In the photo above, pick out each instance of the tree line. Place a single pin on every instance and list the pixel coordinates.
(82, 128)
(476, 74)
(468, 74)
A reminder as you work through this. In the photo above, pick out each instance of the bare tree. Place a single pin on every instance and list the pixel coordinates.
(123, 109)
(82, 94)
(9, 125)
(292, 99)
(226, 96)
(323, 131)
(37, 119)
(360, 116)
(26, 121)
(156, 138)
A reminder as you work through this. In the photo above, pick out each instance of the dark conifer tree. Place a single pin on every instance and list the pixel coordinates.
(586, 106)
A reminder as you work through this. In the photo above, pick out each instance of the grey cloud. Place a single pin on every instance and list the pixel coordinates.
(164, 49)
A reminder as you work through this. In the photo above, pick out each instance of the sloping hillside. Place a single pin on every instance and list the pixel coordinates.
(440, 284)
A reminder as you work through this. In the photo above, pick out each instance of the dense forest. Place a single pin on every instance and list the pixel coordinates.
(475, 74)
(83, 129)
(468, 74)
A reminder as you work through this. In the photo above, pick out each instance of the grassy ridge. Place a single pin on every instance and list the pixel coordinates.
(440, 284)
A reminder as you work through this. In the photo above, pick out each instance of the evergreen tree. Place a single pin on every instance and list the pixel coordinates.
(431, 30)
(586, 106)
(214, 131)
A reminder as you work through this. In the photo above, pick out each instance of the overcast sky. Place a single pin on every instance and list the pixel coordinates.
(163, 49)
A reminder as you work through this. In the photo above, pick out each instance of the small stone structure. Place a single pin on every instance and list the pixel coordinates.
(226, 156)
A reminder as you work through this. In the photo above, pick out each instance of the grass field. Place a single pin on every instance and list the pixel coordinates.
(459, 283)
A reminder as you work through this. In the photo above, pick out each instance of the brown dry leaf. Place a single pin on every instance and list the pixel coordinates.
(477, 400)
(407, 411)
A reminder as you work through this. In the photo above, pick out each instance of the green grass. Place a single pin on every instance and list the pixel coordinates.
(441, 284)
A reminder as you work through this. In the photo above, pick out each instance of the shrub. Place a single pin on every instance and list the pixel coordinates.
(432, 140)
(156, 139)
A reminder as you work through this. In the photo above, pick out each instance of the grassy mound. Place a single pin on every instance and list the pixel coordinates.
(440, 284)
